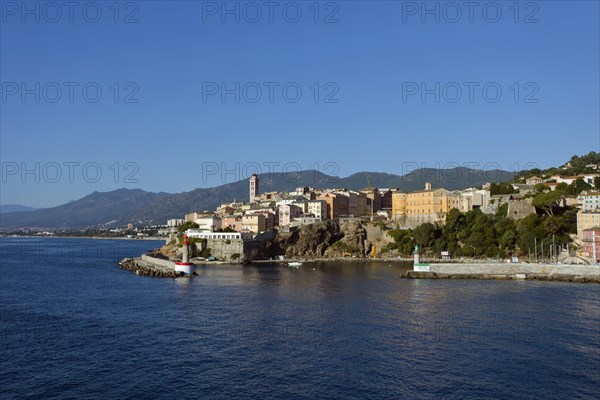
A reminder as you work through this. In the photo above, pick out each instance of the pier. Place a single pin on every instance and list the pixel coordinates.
(510, 271)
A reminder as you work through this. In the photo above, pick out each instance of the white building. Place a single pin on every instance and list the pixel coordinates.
(209, 223)
(589, 178)
(174, 223)
(204, 234)
(318, 208)
(304, 220)
(287, 213)
(300, 191)
(478, 198)
(566, 179)
(534, 180)
(294, 199)
(589, 201)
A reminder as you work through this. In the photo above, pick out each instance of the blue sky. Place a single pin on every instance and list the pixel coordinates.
(361, 68)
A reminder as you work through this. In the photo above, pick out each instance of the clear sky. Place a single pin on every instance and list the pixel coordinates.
(384, 85)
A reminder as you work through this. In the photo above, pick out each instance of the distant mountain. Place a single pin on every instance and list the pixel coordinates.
(7, 208)
(176, 205)
(96, 209)
(451, 179)
(123, 206)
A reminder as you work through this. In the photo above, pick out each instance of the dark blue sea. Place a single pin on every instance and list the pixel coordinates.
(75, 326)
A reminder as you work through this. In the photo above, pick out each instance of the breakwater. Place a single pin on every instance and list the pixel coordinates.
(150, 266)
(509, 271)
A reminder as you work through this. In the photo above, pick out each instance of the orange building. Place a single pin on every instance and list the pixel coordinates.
(337, 204)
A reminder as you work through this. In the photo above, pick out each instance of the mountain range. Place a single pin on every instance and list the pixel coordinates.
(7, 208)
(123, 206)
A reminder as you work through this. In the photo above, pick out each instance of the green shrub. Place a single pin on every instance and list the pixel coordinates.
(205, 253)
(344, 247)
(187, 225)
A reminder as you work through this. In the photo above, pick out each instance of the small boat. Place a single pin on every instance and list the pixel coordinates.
(294, 264)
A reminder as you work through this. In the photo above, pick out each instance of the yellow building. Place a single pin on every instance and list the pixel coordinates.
(587, 219)
(254, 223)
(421, 206)
(398, 205)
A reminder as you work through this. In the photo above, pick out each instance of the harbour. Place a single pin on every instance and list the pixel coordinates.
(332, 329)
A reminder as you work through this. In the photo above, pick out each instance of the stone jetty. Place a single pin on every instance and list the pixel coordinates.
(145, 267)
(508, 271)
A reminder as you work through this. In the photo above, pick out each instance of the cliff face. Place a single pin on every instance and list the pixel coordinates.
(320, 240)
(325, 239)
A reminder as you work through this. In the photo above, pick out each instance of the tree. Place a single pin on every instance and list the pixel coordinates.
(508, 239)
(526, 242)
(502, 188)
(579, 186)
(403, 240)
(534, 172)
(549, 202)
(187, 225)
(502, 210)
(562, 187)
(455, 221)
(425, 234)
(477, 242)
(597, 182)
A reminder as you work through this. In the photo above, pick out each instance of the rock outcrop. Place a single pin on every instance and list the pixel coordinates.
(324, 239)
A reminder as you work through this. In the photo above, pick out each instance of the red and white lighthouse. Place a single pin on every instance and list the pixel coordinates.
(185, 265)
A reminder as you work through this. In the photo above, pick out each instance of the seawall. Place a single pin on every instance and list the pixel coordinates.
(510, 271)
(150, 266)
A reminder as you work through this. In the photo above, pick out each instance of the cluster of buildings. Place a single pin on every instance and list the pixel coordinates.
(552, 181)
(307, 205)
(245, 221)
(432, 205)
(287, 210)
(588, 216)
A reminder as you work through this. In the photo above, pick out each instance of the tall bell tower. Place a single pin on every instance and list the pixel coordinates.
(254, 190)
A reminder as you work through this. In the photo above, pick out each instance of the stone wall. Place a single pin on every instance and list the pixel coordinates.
(515, 268)
(223, 249)
(518, 209)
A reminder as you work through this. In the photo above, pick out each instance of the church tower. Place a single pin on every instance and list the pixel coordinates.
(254, 191)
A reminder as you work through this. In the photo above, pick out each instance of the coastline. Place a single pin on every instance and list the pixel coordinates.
(147, 265)
(83, 237)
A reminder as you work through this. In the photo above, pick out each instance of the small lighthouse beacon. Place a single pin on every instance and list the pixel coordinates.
(418, 265)
(185, 265)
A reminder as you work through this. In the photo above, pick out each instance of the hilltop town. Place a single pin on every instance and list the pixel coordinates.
(542, 215)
